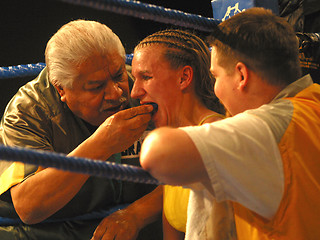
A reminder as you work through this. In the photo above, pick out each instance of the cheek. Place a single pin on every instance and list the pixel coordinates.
(89, 103)
(125, 89)
(166, 88)
(169, 106)
(218, 89)
(166, 97)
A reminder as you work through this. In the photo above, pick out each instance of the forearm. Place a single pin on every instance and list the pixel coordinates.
(148, 208)
(44, 193)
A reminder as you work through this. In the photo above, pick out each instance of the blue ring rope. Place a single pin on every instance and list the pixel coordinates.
(108, 170)
(30, 70)
(21, 70)
(151, 12)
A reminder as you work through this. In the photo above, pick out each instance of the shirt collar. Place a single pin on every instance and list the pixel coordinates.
(295, 87)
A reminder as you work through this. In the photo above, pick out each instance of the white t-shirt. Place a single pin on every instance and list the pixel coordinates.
(244, 165)
(242, 159)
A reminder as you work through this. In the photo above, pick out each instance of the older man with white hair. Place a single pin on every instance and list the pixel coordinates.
(78, 105)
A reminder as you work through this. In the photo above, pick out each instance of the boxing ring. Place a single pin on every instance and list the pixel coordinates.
(86, 166)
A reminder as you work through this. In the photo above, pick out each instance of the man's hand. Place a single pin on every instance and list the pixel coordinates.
(120, 225)
(117, 133)
(125, 224)
(125, 127)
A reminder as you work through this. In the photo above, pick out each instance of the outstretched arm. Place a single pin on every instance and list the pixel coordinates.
(170, 156)
(46, 192)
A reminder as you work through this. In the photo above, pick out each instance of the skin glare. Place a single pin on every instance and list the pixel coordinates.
(156, 81)
(100, 90)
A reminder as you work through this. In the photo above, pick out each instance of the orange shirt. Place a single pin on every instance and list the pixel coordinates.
(298, 214)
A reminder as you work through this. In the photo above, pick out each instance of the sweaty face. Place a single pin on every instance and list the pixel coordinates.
(156, 81)
(100, 90)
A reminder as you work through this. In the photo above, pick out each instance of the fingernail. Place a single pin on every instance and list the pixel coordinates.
(154, 105)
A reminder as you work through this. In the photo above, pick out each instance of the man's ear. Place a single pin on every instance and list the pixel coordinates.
(243, 73)
(61, 92)
(186, 77)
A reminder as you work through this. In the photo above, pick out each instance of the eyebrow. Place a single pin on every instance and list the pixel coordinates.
(120, 71)
(140, 72)
(92, 82)
(117, 73)
(144, 71)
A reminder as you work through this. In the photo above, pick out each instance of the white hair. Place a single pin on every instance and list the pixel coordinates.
(73, 44)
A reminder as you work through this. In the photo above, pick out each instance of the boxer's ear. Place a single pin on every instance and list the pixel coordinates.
(186, 77)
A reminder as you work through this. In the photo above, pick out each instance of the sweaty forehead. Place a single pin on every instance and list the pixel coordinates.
(147, 58)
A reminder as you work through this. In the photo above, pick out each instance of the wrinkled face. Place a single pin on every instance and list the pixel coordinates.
(100, 90)
(224, 88)
(156, 81)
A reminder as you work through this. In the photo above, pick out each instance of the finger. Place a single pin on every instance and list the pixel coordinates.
(135, 111)
(107, 235)
(110, 237)
(139, 121)
(98, 233)
(136, 133)
(155, 107)
(120, 235)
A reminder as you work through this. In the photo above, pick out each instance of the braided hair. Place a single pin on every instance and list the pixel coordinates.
(184, 48)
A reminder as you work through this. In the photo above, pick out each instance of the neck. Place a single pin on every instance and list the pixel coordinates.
(258, 93)
(193, 112)
(264, 94)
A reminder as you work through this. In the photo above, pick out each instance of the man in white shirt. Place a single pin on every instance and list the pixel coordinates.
(263, 158)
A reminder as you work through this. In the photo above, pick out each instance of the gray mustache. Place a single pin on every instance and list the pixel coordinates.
(113, 103)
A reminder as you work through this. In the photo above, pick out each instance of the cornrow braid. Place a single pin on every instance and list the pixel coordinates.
(185, 48)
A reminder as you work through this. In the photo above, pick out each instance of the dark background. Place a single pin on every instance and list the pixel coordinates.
(27, 25)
